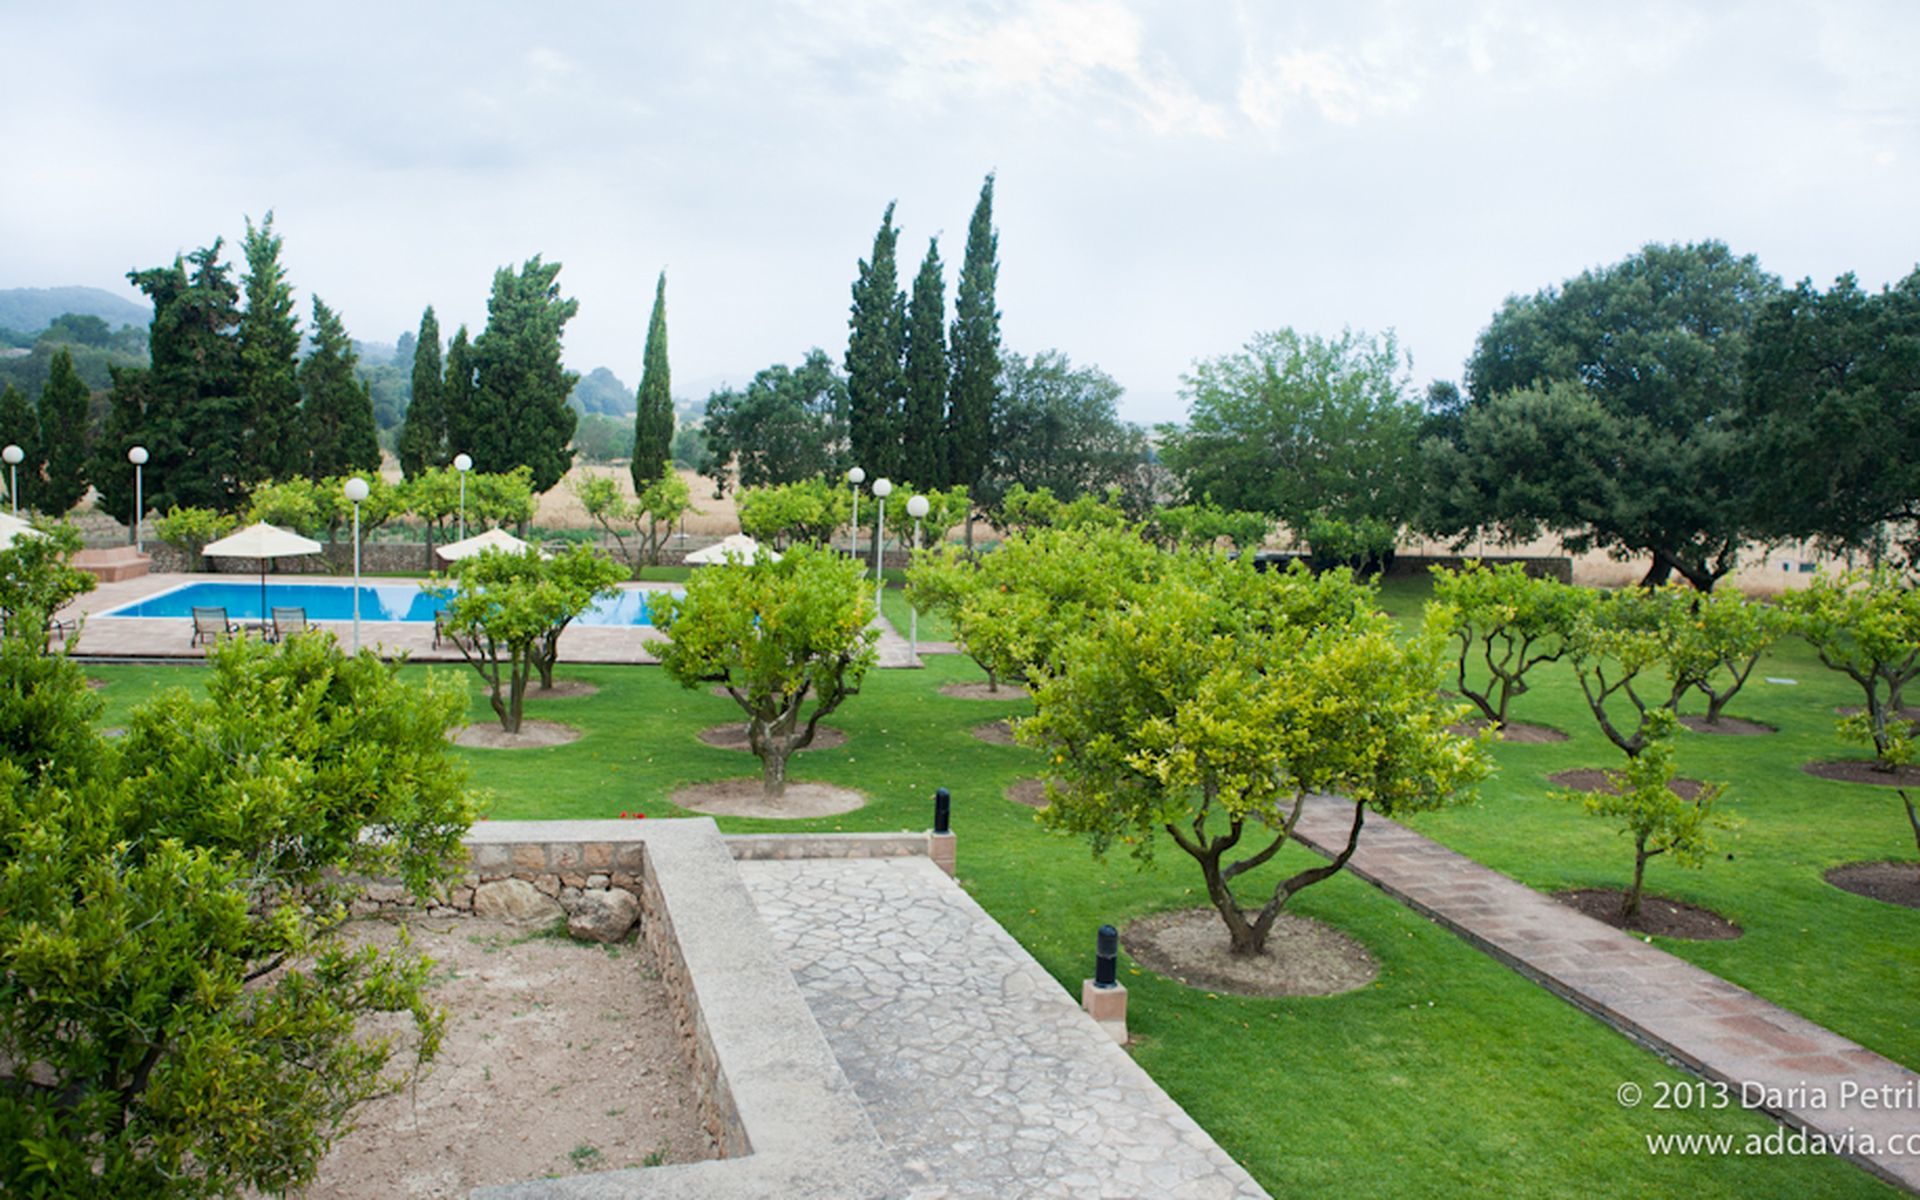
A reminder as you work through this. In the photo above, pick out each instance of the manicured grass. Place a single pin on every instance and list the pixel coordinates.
(1449, 1073)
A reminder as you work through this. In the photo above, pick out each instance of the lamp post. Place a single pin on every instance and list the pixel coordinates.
(356, 490)
(917, 507)
(138, 457)
(14, 455)
(855, 477)
(882, 488)
(463, 463)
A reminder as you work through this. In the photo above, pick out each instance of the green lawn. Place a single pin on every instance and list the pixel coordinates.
(1450, 1073)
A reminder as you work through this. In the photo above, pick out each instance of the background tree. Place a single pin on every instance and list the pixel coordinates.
(653, 415)
(973, 387)
(181, 1013)
(1058, 427)
(924, 409)
(269, 336)
(603, 440)
(1509, 621)
(1300, 427)
(20, 426)
(779, 636)
(61, 479)
(1215, 703)
(188, 530)
(1833, 397)
(457, 398)
(423, 438)
(1641, 449)
(340, 435)
(876, 344)
(787, 425)
(1202, 525)
(601, 392)
(519, 411)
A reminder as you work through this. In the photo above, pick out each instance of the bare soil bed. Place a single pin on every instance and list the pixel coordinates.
(1728, 726)
(1593, 779)
(980, 691)
(559, 1058)
(734, 737)
(1520, 733)
(743, 798)
(533, 735)
(1864, 770)
(1303, 958)
(995, 733)
(1893, 882)
(1030, 792)
(1658, 915)
(564, 689)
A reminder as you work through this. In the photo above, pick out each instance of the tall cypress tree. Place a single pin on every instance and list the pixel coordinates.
(875, 345)
(423, 437)
(269, 361)
(456, 397)
(922, 427)
(63, 440)
(340, 431)
(975, 348)
(520, 409)
(653, 423)
(20, 427)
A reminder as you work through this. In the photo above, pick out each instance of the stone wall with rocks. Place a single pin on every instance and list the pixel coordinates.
(594, 886)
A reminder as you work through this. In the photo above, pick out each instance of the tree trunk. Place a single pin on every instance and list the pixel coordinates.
(1630, 907)
(1658, 573)
(773, 770)
(1913, 818)
(1243, 940)
(516, 700)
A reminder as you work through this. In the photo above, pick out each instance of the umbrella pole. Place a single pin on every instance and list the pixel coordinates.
(263, 589)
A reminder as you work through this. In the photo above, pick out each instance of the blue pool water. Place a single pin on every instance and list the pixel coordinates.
(334, 602)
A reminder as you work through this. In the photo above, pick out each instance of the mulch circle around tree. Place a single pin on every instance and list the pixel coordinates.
(1893, 882)
(1728, 726)
(1303, 957)
(734, 737)
(980, 691)
(1906, 713)
(1659, 916)
(533, 735)
(996, 733)
(1864, 770)
(1593, 779)
(564, 689)
(1030, 792)
(745, 798)
(1519, 733)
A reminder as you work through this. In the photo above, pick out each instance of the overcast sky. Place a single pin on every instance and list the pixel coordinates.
(1172, 177)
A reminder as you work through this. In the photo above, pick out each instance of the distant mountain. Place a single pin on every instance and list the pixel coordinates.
(29, 310)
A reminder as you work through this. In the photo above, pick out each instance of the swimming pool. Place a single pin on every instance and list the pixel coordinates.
(334, 602)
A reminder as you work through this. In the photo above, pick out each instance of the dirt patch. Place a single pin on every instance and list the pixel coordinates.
(1593, 779)
(1304, 957)
(95, 684)
(1728, 726)
(558, 1058)
(1520, 733)
(564, 689)
(533, 735)
(980, 691)
(1905, 713)
(1659, 916)
(734, 737)
(1864, 770)
(1030, 792)
(1893, 882)
(743, 798)
(995, 733)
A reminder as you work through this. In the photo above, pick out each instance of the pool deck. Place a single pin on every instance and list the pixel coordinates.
(170, 638)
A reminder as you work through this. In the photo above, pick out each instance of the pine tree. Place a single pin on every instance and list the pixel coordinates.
(520, 413)
(875, 345)
(269, 361)
(922, 427)
(339, 408)
(63, 440)
(653, 423)
(975, 348)
(456, 397)
(423, 438)
(19, 427)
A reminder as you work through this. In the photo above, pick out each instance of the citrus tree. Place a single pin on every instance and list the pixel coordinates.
(38, 579)
(1622, 647)
(179, 1013)
(188, 530)
(1209, 707)
(1716, 640)
(789, 640)
(648, 518)
(807, 510)
(1506, 619)
(1866, 625)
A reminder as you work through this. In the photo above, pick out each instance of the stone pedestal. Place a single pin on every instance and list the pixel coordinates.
(1108, 1006)
(940, 848)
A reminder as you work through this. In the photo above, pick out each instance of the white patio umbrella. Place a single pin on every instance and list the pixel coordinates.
(12, 527)
(262, 541)
(739, 548)
(492, 539)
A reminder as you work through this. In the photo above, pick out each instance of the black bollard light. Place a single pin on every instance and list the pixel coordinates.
(942, 811)
(1106, 957)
